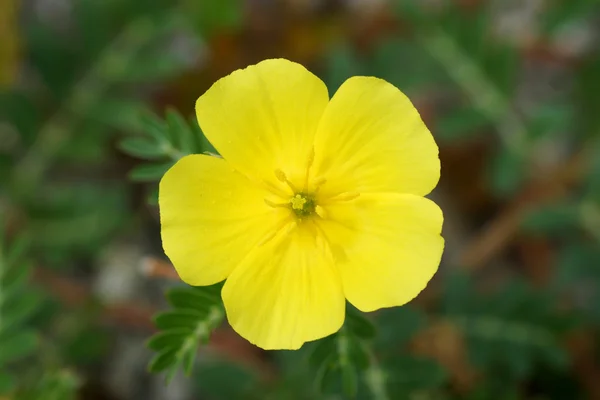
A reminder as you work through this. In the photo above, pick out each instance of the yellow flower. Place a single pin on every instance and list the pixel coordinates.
(315, 201)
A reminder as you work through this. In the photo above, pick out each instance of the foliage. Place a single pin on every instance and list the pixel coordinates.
(17, 305)
(196, 313)
(78, 143)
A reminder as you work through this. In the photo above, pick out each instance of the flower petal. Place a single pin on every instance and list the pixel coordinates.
(286, 293)
(264, 118)
(372, 139)
(211, 218)
(386, 247)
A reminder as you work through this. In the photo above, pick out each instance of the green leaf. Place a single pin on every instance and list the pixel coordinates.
(559, 219)
(338, 359)
(220, 379)
(407, 374)
(163, 360)
(17, 345)
(182, 132)
(461, 123)
(169, 339)
(14, 280)
(193, 298)
(17, 249)
(322, 350)
(211, 17)
(18, 310)
(197, 312)
(143, 148)
(397, 326)
(359, 324)
(154, 127)
(349, 380)
(7, 383)
(184, 318)
(507, 171)
(342, 63)
(150, 172)
(120, 114)
(152, 67)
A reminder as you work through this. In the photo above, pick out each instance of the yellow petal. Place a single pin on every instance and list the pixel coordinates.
(264, 118)
(211, 217)
(286, 293)
(372, 139)
(386, 247)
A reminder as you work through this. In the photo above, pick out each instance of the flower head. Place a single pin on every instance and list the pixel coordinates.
(315, 201)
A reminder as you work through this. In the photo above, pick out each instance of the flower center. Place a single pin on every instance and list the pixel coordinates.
(303, 204)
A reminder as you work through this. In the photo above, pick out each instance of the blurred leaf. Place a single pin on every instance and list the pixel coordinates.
(17, 303)
(358, 324)
(342, 63)
(197, 312)
(68, 219)
(150, 172)
(405, 64)
(7, 383)
(142, 148)
(153, 67)
(211, 17)
(185, 318)
(510, 329)
(119, 113)
(507, 171)
(17, 345)
(588, 96)
(551, 119)
(184, 135)
(562, 13)
(338, 360)
(500, 64)
(461, 123)
(556, 219)
(54, 385)
(19, 309)
(227, 381)
(166, 142)
(397, 326)
(53, 57)
(408, 375)
(19, 111)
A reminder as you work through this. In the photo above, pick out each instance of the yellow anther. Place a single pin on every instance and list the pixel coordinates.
(275, 205)
(298, 202)
(347, 196)
(321, 212)
(311, 158)
(318, 182)
(280, 175)
(282, 178)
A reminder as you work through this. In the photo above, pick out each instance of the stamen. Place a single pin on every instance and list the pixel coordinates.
(298, 202)
(318, 183)
(275, 189)
(282, 178)
(321, 212)
(276, 205)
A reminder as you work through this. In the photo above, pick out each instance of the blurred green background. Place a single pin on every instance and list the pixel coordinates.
(96, 102)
